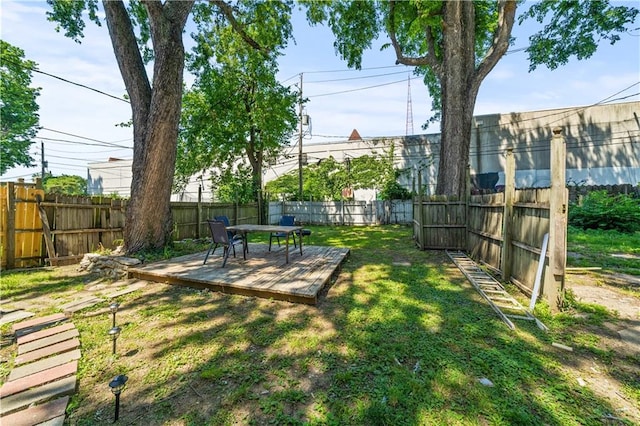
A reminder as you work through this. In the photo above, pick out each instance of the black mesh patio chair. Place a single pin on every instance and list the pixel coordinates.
(232, 234)
(220, 237)
(284, 221)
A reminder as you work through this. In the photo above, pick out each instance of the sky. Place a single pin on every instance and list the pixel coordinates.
(79, 125)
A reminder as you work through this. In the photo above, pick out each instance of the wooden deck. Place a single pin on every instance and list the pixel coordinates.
(263, 274)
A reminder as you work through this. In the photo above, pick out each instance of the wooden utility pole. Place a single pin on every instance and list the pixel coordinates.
(300, 144)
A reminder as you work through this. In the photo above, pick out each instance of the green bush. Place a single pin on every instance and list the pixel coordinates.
(599, 210)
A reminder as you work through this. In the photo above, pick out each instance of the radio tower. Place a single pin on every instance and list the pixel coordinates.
(409, 129)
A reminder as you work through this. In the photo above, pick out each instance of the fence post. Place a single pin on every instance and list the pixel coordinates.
(557, 222)
(199, 212)
(420, 213)
(467, 200)
(11, 226)
(507, 215)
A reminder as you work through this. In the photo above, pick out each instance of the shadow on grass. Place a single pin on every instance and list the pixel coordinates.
(388, 345)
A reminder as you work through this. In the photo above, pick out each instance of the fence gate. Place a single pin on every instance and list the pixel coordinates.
(20, 225)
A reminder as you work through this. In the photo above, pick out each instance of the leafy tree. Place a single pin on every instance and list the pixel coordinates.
(155, 104)
(234, 186)
(455, 44)
(326, 179)
(236, 109)
(65, 184)
(18, 108)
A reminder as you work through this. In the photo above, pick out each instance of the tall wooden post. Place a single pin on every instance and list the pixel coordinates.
(10, 232)
(507, 215)
(554, 281)
(467, 200)
(199, 212)
(420, 218)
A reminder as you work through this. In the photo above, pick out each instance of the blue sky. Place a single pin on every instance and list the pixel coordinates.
(67, 110)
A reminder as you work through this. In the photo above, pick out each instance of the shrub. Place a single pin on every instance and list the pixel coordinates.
(599, 210)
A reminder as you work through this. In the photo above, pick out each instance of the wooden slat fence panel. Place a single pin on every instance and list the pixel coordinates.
(484, 238)
(442, 222)
(530, 223)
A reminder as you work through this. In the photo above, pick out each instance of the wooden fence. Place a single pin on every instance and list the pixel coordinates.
(343, 212)
(60, 229)
(505, 231)
(20, 226)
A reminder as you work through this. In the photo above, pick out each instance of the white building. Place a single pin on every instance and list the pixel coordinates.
(602, 141)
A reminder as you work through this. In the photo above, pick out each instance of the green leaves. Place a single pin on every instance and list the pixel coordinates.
(65, 184)
(69, 16)
(19, 113)
(236, 113)
(575, 28)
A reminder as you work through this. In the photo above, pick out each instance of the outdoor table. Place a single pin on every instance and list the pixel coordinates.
(288, 230)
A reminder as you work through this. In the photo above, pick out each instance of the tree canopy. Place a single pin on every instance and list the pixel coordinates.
(327, 179)
(236, 111)
(65, 184)
(455, 44)
(19, 111)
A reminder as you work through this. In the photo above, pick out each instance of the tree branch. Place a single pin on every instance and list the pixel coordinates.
(227, 10)
(127, 54)
(400, 58)
(506, 17)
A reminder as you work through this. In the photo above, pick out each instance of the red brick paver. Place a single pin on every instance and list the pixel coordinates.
(40, 378)
(38, 414)
(45, 352)
(35, 324)
(45, 333)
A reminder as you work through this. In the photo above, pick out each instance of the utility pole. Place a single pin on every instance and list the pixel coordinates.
(300, 144)
(43, 163)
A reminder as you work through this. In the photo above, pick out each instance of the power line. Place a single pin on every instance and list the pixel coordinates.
(84, 86)
(86, 138)
(357, 78)
(359, 89)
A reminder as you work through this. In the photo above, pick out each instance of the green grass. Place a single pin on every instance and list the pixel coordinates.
(399, 339)
(597, 248)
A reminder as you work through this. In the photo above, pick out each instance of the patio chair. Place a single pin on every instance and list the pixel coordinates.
(232, 234)
(220, 237)
(284, 221)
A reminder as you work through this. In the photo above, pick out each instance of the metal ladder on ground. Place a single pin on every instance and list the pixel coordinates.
(493, 292)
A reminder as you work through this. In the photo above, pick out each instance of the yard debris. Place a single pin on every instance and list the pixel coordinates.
(485, 382)
(416, 367)
(581, 382)
(561, 346)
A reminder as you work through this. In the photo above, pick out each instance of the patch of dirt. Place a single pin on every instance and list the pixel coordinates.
(617, 293)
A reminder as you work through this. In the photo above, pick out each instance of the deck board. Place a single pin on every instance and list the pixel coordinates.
(263, 274)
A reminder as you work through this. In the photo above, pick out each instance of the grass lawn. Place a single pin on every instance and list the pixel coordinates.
(611, 250)
(400, 338)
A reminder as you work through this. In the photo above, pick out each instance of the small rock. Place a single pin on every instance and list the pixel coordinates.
(485, 382)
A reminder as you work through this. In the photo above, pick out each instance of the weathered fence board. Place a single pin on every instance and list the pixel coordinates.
(442, 222)
(20, 226)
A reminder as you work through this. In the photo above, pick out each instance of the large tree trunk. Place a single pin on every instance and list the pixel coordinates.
(156, 115)
(457, 104)
(460, 81)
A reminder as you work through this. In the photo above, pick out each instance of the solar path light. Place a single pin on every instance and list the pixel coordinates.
(114, 308)
(114, 332)
(117, 386)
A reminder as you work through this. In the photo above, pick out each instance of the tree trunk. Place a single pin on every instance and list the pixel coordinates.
(458, 97)
(156, 115)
